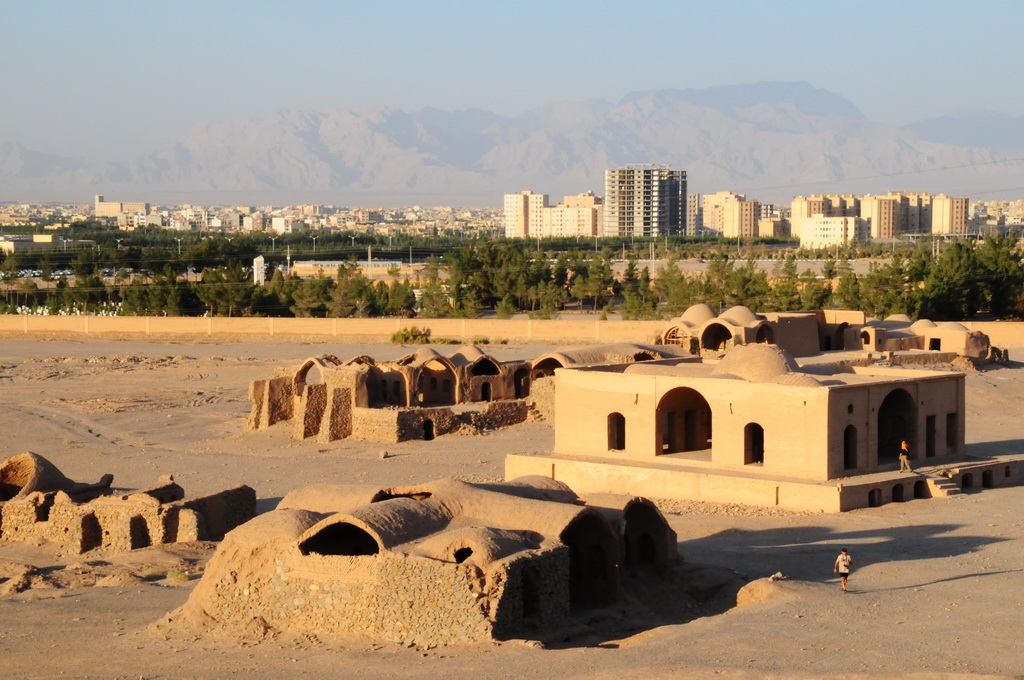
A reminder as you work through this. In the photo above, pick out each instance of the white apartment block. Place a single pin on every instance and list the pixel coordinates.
(890, 215)
(521, 210)
(104, 208)
(644, 200)
(731, 215)
(823, 232)
(579, 215)
(949, 215)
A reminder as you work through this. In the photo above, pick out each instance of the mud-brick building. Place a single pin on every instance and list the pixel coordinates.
(703, 332)
(437, 563)
(37, 502)
(756, 428)
(410, 398)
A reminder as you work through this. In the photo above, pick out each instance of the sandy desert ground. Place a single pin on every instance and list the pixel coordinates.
(937, 591)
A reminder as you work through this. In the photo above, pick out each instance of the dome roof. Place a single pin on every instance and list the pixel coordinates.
(697, 315)
(953, 326)
(922, 324)
(756, 363)
(739, 315)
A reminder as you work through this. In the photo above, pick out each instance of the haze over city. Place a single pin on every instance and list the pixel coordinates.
(109, 81)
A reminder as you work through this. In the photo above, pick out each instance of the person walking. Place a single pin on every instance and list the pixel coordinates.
(842, 567)
(905, 457)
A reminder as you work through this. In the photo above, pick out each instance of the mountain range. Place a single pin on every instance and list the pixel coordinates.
(769, 140)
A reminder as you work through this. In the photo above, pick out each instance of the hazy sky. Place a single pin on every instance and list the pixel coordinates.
(77, 77)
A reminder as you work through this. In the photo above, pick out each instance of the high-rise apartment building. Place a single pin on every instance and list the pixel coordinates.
(644, 200)
(694, 215)
(524, 214)
(949, 215)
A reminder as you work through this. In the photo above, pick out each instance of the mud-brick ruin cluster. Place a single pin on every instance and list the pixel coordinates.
(38, 502)
(421, 395)
(411, 398)
(705, 333)
(437, 563)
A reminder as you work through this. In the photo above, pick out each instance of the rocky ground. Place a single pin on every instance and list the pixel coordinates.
(936, 589)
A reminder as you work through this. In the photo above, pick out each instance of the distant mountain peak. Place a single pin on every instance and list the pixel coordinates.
(806, 98)
(770, 140)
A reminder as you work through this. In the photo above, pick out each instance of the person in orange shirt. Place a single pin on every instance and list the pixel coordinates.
(905, 457)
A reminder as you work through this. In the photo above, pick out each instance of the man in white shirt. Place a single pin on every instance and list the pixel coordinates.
(842, 567)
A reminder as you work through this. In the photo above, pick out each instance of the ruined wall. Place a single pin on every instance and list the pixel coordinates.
(426, 423)
(532, 592)
(127, 522)
(390, 595)
(542, 398)
(499, 414)
(399, 425)
(272, 402)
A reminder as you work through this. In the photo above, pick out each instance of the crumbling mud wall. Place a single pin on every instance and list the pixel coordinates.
(328, 400)
(127, 521)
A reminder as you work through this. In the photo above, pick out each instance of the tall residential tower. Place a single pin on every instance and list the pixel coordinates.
(644, 200)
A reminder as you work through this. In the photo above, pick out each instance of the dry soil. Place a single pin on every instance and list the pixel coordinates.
(936, 590)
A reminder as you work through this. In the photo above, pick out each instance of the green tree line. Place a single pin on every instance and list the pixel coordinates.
(507, 277)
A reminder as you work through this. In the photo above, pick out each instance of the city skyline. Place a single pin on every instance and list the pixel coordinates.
(110, 79)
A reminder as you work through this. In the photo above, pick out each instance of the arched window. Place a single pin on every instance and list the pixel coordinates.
(850, 447)
(753, 444)
(616, 432)
(484, 367)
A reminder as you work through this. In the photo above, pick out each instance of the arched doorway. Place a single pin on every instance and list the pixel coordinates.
(967, 481)
(716, 338)
(485, 391)
(592, 559)
(521, 380)
(850, 447)
(753, 444)
(428, 430)
(765, 334)
(897, 493)
(897, 421)
(616, 432)
(434, 386)
(838, 341)
(645, 538)
(921, 489)
(683, 421)
(545, 367)
(874, 498)
(986, 479)
(531, 598)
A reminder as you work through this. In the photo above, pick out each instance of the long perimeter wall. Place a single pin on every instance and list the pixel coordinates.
(346, 329)
(1001, 334)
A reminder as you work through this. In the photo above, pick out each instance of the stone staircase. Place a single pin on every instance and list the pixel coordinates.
(942, 486)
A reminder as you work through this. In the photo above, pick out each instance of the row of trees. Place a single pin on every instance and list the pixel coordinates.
(509, 277)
